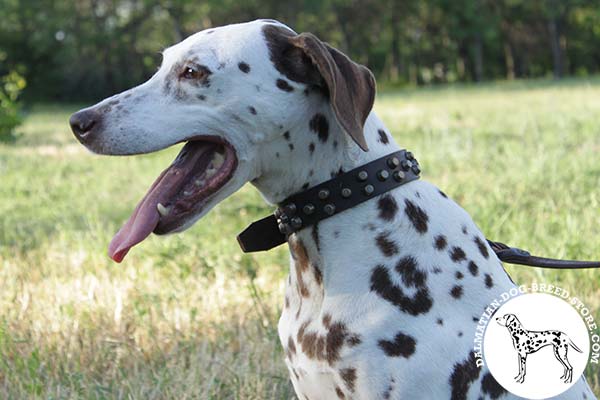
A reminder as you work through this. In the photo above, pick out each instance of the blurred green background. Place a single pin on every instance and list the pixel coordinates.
(499, 100)
(88, 49)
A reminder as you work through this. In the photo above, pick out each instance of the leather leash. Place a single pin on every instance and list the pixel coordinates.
(354, 187)
(513, 255)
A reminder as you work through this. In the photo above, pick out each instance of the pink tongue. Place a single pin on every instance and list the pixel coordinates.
(145, 217)
(142, 222)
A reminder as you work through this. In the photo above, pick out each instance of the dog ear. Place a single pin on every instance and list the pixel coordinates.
(350, 86)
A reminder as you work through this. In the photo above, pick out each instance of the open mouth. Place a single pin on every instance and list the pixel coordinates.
(202, 167)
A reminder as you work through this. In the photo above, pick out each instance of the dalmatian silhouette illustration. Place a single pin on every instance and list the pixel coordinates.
(527, 342)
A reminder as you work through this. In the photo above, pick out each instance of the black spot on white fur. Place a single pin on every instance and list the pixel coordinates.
(387, 207)
(383, 137)
(482, 247)
(245, 68)
(385, 245)
(491, 387)
(440, 242)
(463, 375)
(417, 216)
(489, 282)
(473, 268)
(284, 85)
(457, 254)
(315, 236)
(381, 283)
(401, 346)
(456, 291)
(411, 275)
(320, 126)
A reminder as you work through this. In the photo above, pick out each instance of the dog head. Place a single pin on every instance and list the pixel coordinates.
(230, 94)
(508, 320)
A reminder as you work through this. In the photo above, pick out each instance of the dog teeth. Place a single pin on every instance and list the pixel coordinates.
(187, 193)
(199, 182)
(218, 160)
(210, 172)
(162, 210)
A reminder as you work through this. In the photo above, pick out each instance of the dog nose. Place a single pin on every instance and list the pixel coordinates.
(82, 123)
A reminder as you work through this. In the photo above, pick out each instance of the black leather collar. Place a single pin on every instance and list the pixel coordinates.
(329, 198)
(349, 189)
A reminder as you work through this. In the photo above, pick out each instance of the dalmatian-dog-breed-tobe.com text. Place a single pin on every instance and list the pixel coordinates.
(383, 299)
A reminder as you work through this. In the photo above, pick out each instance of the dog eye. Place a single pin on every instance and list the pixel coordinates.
(190, 72)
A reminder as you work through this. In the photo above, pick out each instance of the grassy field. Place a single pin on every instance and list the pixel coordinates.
(189, 316)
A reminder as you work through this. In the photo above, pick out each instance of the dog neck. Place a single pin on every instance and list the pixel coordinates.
(314, 151)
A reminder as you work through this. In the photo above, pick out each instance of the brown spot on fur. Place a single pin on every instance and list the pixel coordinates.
(291, 348)
(301, 262)
(317, 273)
(299, 254)
(349, 377)
(354, 340)
(323, 347)
(339, 393)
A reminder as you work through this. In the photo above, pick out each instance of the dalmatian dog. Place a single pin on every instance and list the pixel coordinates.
(527, 342)
(383, 299)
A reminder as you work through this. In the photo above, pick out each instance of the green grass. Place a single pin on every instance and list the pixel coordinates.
(189, 316)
